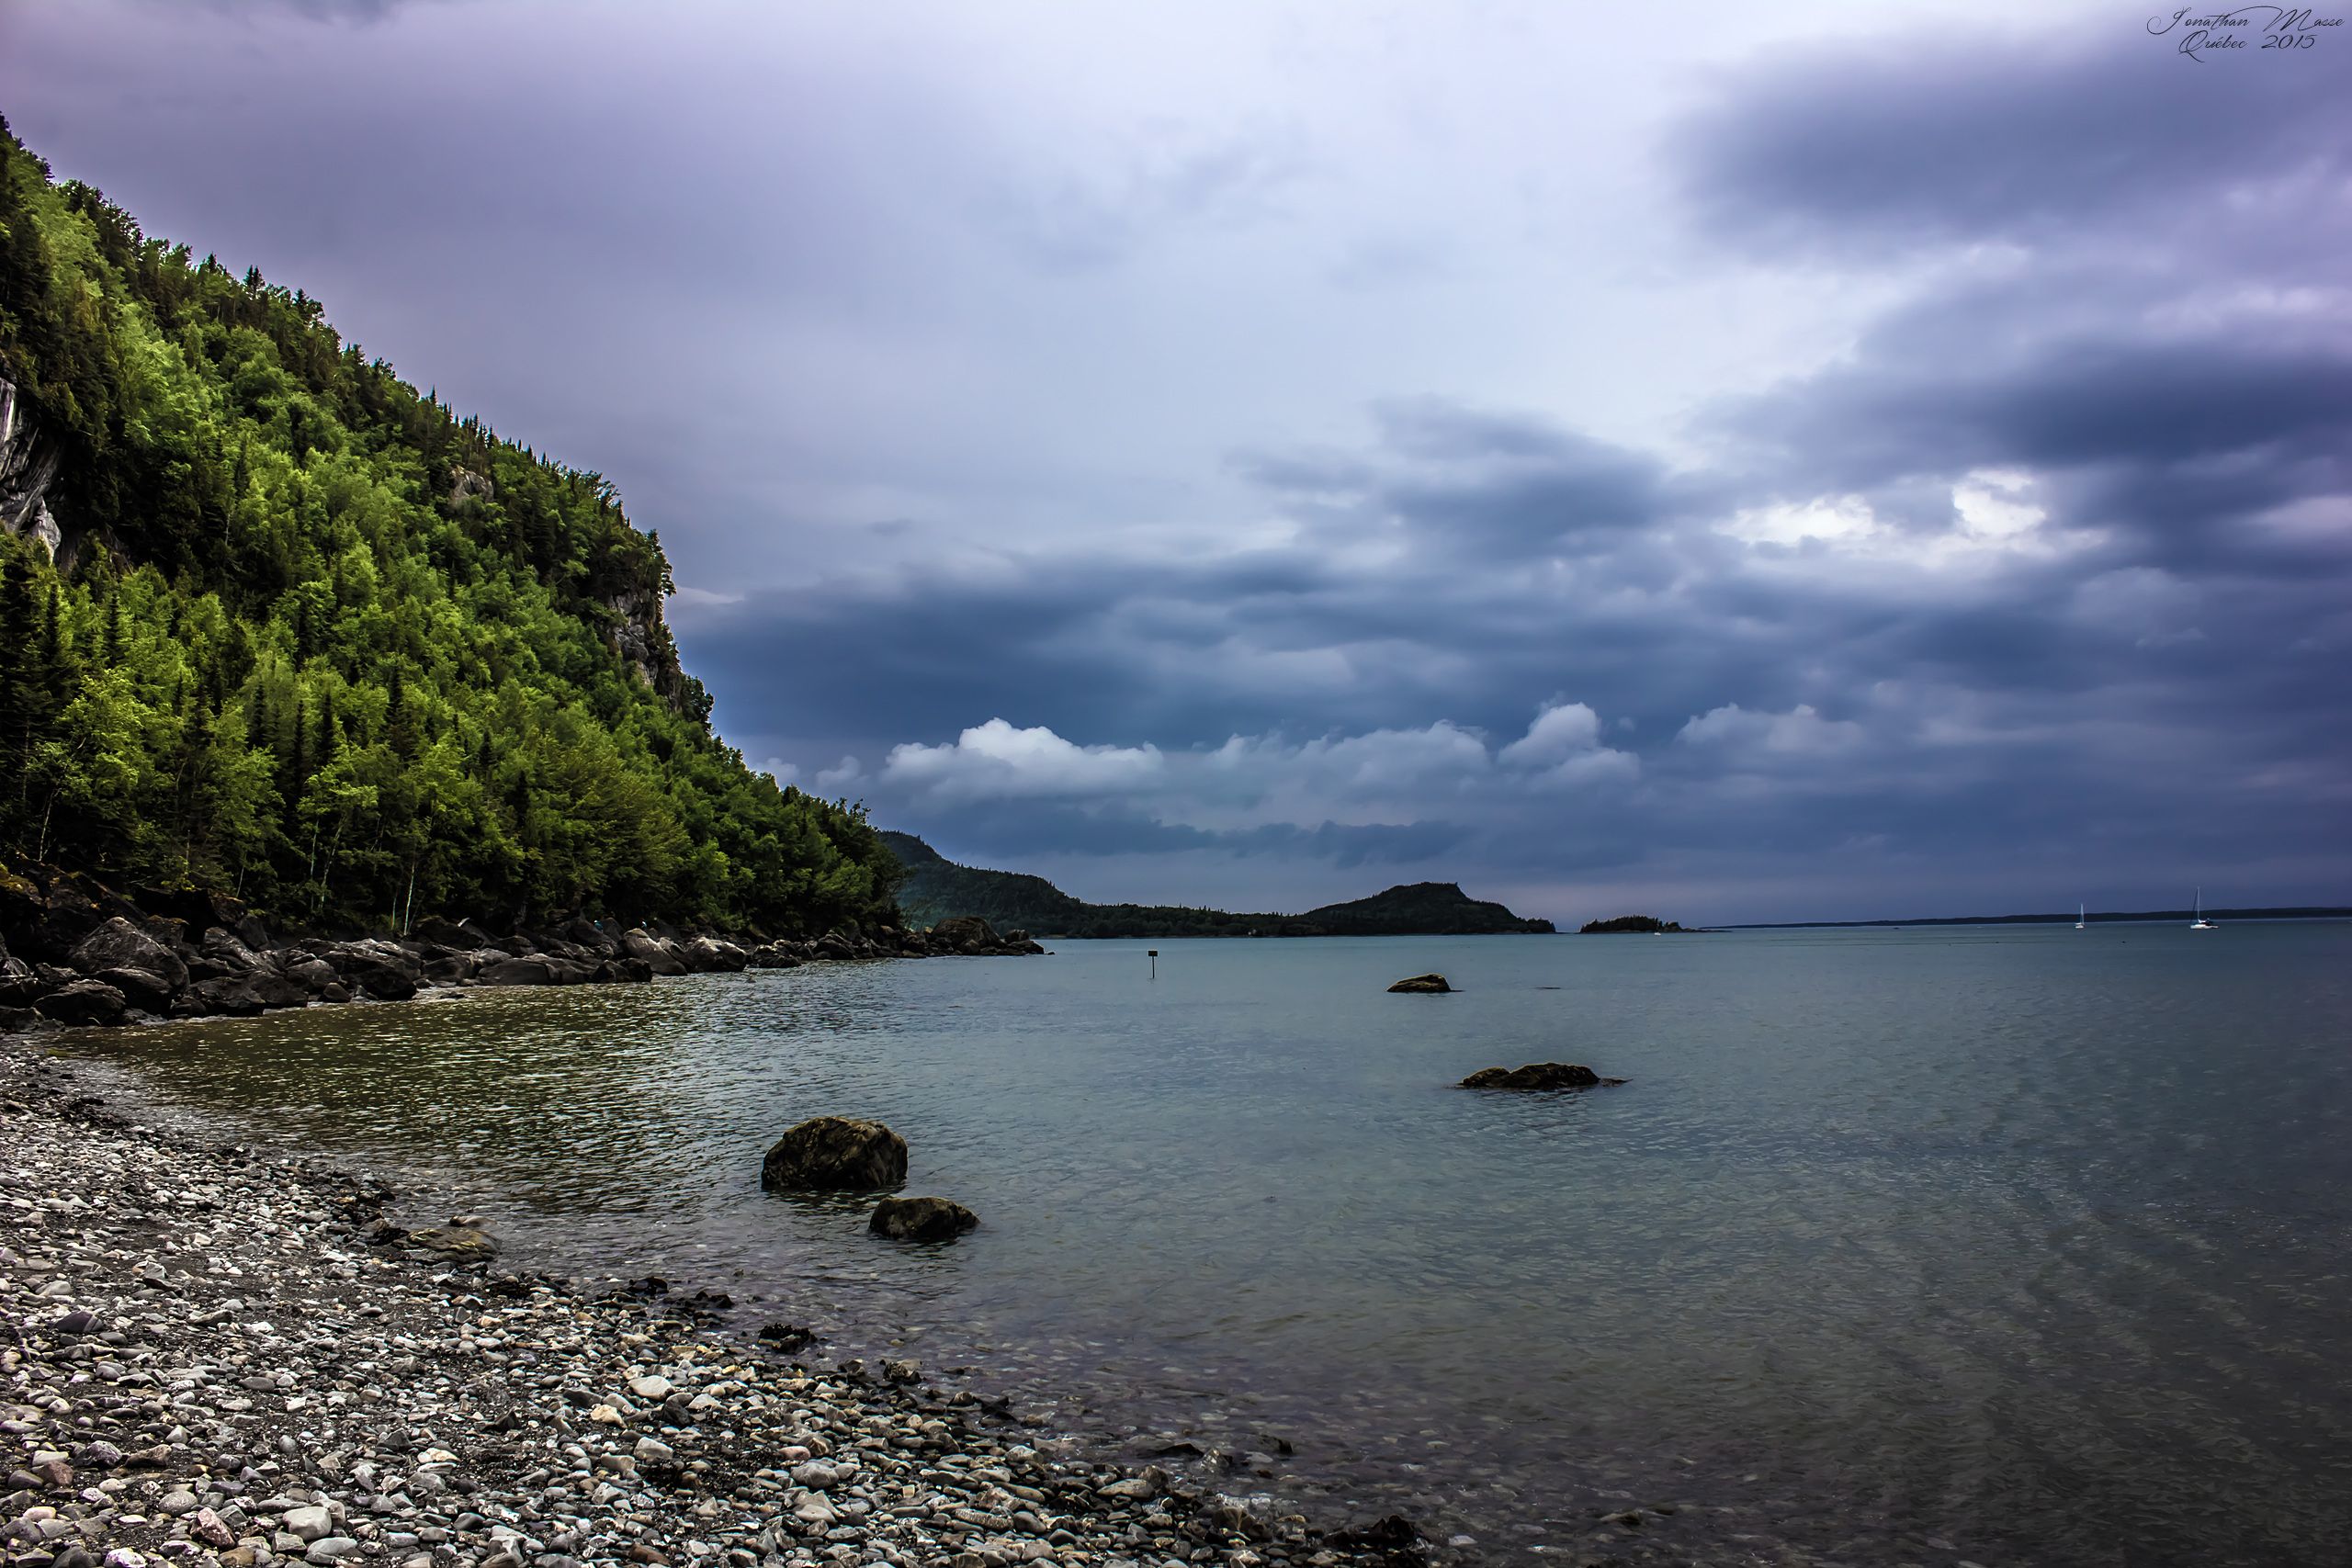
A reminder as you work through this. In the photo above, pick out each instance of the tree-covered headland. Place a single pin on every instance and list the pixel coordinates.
(273, 621)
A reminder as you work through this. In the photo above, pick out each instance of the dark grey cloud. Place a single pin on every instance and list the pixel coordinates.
(1920, 139)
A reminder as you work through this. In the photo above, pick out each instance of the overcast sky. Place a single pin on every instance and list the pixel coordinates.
(1741, 462)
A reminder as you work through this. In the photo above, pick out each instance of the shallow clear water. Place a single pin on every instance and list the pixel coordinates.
(2034, 1242)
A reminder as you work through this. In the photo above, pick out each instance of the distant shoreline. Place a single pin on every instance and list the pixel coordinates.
(2145, 916)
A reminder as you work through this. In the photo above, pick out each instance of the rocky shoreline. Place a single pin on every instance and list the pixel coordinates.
(217, 1356)
(73, 954)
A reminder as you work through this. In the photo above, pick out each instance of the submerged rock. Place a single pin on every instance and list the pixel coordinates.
(1538, 1076)
(788, 1338)
(836, 1153)
(1429, 984)
(455, 1241)
(921, 1218)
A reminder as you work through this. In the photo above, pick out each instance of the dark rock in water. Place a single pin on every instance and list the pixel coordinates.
(149, 993)
(83, 1001)
(118, 944)
(837, 1154)
(1423, 984)
(788, 1338)
(455, 1241)
(1394, 1533)
(921, 1218)
(1537, 1076)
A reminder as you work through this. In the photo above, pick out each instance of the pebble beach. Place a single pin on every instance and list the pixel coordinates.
(216, 1355)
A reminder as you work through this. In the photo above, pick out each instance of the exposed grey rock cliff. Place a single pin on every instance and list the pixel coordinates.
(27, 467)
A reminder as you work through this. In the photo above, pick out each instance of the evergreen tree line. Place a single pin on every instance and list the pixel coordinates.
(313, 638)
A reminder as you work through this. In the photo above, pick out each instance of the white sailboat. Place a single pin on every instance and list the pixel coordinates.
(2079, 916)
(2200, 923)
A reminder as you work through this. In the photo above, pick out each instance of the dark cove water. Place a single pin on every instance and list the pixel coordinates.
(2011, 1244)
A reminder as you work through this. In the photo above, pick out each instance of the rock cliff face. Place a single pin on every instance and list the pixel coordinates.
(27, 467)
(641, 637)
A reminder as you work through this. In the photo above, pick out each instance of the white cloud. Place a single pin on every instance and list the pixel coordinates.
(1380, 776)
(1801, 731)
(1560, 731)
(1842, 518)
(1992, 506)
(994, 761)
(1563, 747)
(1993, 516)
(840, 774)
(783, 773)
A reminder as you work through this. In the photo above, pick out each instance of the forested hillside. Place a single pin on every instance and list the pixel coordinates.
(273, 621)
(936, 888)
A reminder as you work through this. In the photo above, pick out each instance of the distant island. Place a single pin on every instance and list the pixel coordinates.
(936, 888)
(1628, 925)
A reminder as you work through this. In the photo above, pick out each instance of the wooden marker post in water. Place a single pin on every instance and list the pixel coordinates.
(1153, 954)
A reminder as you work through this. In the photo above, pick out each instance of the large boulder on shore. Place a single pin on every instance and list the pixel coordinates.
(84, 1001)
(921, 1218)
(384, 971)
(517, 971)
(710, 955)
(964, 933)
(658, 952)
(1537, 1076)
(1423, 984)
(835, 1153)
(146, 991)
(118, 944)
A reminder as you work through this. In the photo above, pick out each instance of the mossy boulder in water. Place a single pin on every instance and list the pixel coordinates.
(921, 1218)
(1427, 985)
(1537, 1076)
(836, 1153)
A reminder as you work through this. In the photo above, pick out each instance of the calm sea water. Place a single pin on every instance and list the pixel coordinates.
(2016, 1245)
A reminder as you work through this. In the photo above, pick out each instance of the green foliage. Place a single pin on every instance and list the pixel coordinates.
(1628, 925)
(936, 888)
(313, 637)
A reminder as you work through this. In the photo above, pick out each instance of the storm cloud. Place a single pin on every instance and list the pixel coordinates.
(1861, 465)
